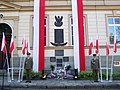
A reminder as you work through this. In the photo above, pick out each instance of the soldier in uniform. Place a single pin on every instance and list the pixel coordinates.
(95, 67)
(28, 65)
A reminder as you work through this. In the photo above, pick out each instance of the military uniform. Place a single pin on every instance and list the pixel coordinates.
(28, 67)
(95, 68)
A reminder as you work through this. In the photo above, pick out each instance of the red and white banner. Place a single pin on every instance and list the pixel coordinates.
(115, 45)
(23, 45)
(11, 45)
(107, 48)
(78, 32)
(38, 47)
(97, 46)
(3, 47)
(28, 48)
(90, 48)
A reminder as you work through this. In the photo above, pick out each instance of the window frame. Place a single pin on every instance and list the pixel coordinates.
(114, 25)
(47, 33)
(71, 31)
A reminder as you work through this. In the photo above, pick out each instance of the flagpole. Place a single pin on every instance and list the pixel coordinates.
(23, 50)
(93, 45)
(19, 69)
(107, 67)
(12, 66)
(107, 54)
(8, 65)
(111, 68)
(22, 69)
(100, 68)
(3, 74)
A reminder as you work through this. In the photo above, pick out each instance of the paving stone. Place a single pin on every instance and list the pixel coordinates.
(61, 85)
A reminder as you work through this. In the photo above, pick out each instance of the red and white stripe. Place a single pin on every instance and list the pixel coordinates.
(38, 47)
(115, 45)
(78, 32)
(3, 47)
(28, 48)
(11, 45)
(91, 48)
(97, 46)
(23, 45)
(107, 47)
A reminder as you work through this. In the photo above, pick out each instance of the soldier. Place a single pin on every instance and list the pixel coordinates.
(95, 67)
(28, 67)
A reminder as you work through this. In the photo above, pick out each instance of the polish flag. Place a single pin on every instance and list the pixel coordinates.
(11, 45)
(3, 47)
(23, 46)
(97, 47)
(115, 45)
(27, 48)
(78, 33)
(38, 44)
(90, 48)
(107, 48)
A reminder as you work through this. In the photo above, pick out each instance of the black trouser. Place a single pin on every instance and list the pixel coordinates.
(28, 74)
(95, 74)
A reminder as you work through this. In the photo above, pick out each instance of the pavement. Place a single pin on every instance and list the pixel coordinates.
(60, 85)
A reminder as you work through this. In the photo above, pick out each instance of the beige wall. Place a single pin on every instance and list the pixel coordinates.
(18, 16)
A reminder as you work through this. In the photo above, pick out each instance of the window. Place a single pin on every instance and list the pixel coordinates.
(32, 37)
(84, 19)
(45, 31)
(114, 29)
(71, 30)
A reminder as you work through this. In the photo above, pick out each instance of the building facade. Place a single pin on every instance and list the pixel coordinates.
(101, 19)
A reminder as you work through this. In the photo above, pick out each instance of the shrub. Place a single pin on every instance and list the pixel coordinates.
(116, 76)
(36, 75)
(85, 75)
(52, 67)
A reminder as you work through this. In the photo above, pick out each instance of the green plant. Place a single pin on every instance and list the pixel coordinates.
(116, 76)
(85, 75)
(68, 67)
(24, 75)
(36, 75)
(52, 67)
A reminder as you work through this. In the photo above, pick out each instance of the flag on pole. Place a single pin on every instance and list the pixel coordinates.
(11, 45)
(3, 47)
(23, 45)
(90, 48)
(27, 48)
(38, 45)
(115, 45)
(78, 33)
(97, 46)
(107, 48)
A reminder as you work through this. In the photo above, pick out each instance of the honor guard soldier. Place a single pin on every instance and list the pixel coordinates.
(95, 67)
(28, 65)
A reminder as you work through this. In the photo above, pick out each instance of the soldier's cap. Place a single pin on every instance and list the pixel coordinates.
(28, 53)
(94, 54)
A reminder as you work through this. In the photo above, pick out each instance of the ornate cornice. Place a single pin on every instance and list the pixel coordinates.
(4, 5)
